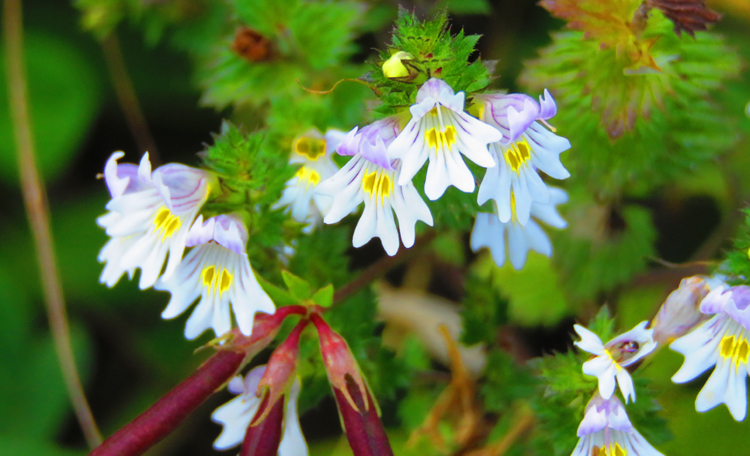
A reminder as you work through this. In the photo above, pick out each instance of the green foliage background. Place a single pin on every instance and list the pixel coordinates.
(670, 186)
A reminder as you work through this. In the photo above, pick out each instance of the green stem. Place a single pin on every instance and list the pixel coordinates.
(36, 207)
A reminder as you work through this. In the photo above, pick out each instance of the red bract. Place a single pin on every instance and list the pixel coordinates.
(358, 410)
(264, 438)
(279, 375)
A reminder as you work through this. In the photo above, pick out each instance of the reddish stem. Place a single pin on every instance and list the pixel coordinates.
(164, 416)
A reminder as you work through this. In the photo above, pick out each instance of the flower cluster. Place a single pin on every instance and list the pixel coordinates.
(506, 137)
(155, 213)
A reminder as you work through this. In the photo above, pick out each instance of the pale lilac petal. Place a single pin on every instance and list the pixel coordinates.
(589, 342)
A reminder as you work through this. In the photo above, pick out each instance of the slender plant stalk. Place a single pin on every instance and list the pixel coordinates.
(36, 207)
(172, 409)
(127, 98)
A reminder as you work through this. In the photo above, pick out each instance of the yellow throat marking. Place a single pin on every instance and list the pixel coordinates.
(611, 450)
(736, 349)
(312, 148)
(213, 281)
(438, 139)
(166, 223)
(377, 183)
(308, 176)
(517, 154)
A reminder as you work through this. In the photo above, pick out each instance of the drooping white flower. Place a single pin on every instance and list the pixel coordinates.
(606, 430)
(235, 416)
(724, 342)
(218, 271)
(490, 232)
(373, 178)
(612, 358)
(149, 216)
(313, 151)
(441, 131)
(526, 148)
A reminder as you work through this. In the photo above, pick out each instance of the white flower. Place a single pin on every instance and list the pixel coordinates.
(216, 270)
(612, 358)
(525, 148)
(722, 341)
(371, 177)
(606, 431)
(237, 414)
(313, 151)
(441, 131)
(149, 216)
(490, 232)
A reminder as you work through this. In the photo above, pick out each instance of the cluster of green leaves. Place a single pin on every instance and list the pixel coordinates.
(251, 176)
(435, 53)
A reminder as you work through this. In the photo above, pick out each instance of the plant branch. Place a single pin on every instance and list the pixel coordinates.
(164, 416)
(36, 207)
(127, 98)
(381, 267)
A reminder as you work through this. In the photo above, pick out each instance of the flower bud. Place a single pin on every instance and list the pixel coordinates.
(394, 68)
(279, 375)
(357, 408)
(681, 310)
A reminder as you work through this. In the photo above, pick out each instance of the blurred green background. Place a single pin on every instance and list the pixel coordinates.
(128, 357)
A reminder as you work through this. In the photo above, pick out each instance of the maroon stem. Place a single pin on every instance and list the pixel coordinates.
(164, 416)
(264, 438)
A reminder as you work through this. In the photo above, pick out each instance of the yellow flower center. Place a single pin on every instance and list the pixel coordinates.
(213, 281)
(735, 349)
(517, 155)
(312, 148)
(166, 223)
(377, 183)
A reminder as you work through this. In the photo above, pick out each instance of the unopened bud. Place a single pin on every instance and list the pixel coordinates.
(394, 68)
(340, 364)
(681, 311)
(279, 375)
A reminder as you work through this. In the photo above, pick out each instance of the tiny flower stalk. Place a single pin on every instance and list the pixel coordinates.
(360, 416)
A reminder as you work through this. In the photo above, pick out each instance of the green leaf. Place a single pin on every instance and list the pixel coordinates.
(299, 288)
(533, 293)
(14, 445)
(324, 296)
(65, 93)
(278, 296)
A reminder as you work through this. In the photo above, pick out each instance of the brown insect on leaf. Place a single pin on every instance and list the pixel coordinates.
(687, 15)
(252, 46)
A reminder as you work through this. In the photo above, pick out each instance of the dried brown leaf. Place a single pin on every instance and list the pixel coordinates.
(687, 15)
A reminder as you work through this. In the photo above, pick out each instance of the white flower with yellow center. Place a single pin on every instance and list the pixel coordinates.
(150, 214)
(313, 151)
(606, 430)
(217, 271)
(612, 358)
(490, 232)
(235, 416)
(440, 130)
(373, 178)
(724, 342)
(526, 148)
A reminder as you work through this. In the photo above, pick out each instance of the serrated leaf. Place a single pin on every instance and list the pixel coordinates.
(299, 288)
(324, 296)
